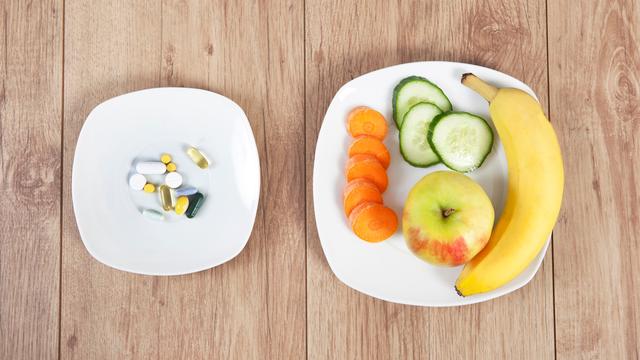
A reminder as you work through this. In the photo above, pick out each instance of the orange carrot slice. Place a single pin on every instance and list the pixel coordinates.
(367, 167)
(365, 121)
(373, 222)
(358, 191)
(372, 146)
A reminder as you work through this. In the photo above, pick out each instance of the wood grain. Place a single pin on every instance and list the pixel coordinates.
(594, 76)
(282, 61)
(30, 123)
(110, 48)
(253, 53)
(347, 40)
(253, 306)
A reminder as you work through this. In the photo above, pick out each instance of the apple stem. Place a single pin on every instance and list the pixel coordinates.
(447, 212)
(476, 84)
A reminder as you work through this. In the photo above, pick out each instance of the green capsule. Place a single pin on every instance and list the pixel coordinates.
(153, 214)
(195, 202)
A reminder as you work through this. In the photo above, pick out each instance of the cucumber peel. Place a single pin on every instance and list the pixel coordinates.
(461, 140)
(414, 145)
(415, 89)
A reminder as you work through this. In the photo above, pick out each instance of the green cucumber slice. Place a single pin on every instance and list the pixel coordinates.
(414, 146)
(415, 89)
(461, 140)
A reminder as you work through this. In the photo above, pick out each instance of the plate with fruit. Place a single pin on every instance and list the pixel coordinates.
(165, 181)
(436, 184)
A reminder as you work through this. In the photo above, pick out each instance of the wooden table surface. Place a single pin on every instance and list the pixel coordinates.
(282, 61)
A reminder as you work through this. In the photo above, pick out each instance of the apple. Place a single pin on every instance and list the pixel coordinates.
(447, 218)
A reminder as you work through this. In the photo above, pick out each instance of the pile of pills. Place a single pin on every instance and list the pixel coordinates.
(183, 200)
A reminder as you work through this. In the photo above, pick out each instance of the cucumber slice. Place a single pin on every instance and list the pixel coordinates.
(461, 140)
(413, 90)
(414, 146)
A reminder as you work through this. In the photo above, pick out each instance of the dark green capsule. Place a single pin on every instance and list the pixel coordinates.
(195, 202)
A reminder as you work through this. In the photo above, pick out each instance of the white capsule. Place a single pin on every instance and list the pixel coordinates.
(153, 214)
(151, 168)
(137, 181)
(186, 191)
(173, 180)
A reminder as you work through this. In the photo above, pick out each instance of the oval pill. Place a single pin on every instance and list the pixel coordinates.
(173, 198)
(185, 191)
(153, 214)
(173, 180)
(137, 181)
(165, 158)
(166, 198)
(182, 204)
(195, 202)
(198, 157)
(151, 168)
(171, 167)
(149, 188)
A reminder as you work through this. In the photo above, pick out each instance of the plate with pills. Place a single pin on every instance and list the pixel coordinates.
(166, 181)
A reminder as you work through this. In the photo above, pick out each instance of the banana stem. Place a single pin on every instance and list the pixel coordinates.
(476, 84)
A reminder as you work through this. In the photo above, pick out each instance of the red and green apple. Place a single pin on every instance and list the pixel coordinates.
(447, 218)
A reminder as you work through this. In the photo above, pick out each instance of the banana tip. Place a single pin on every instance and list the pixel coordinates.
(458, 291)
(465, 75)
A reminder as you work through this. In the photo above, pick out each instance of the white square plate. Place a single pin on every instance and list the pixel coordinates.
(140, 126)
(387, 270)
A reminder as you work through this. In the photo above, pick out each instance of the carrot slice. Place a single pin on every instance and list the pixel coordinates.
(373, 222)
(365, 121)
(358, 191)
(372, 146)
(367, 167)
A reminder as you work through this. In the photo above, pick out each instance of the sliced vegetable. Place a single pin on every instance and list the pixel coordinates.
(366, 121)
(461, 140)
(413, 90)
(358, 191)
(414, 146)
(372, 146)
(367, 167)
(373, 222)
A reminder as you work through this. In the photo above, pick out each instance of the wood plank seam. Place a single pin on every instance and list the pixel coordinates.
(61, 185)
(553, 285)
(306, 212)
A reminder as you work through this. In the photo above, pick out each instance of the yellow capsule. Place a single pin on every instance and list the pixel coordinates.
(198, 157)
(165, 158)
(149, 188)
(171, 167)
(166, 198)
(182, 204)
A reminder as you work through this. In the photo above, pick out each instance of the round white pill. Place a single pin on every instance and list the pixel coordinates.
(173, 180)
(137, 181)
(151, 168)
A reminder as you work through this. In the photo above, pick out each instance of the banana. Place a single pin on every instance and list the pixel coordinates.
(534, 195)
